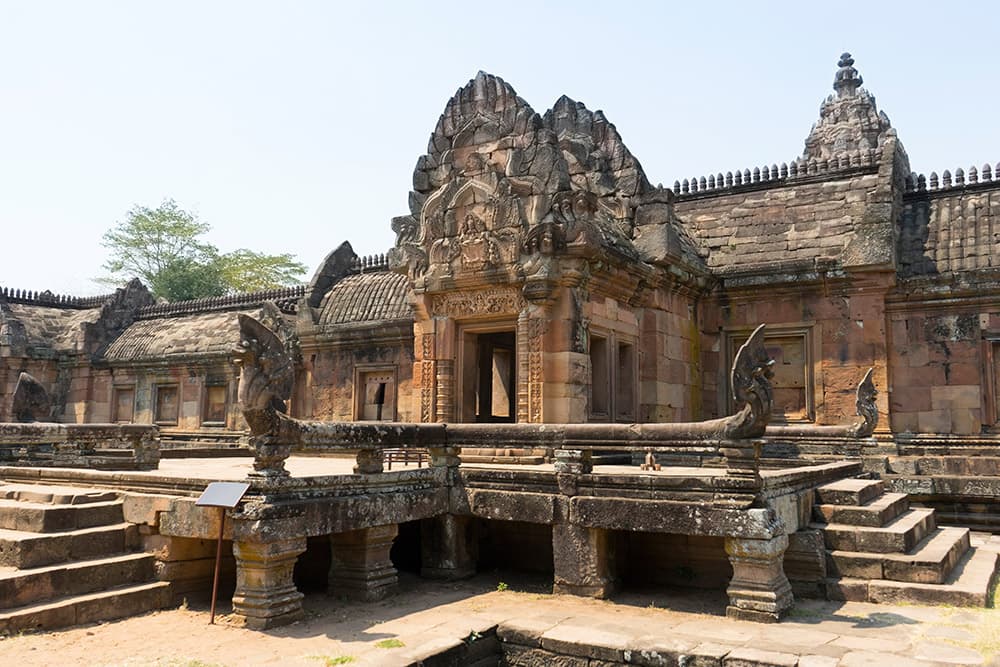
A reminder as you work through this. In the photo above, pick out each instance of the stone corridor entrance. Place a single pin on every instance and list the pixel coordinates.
(489, 377)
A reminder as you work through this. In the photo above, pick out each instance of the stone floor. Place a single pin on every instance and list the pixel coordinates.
(237, 468)
(426, 617)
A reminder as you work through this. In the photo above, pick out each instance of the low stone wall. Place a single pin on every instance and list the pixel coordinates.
(97, 446)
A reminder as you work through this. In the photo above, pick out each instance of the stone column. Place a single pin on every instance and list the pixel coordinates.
(531, 324)
(759, 590)
(360, 567)
(448, 547)
(265, 593)
(583, 560)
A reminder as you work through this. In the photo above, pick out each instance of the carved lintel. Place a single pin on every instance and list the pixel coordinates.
(492, 301)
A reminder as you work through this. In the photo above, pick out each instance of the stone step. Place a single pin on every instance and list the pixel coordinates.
(877, 513)
(55, 495)
(25, 550)
(968, 585)
(22, 587)
(92, 607)
(41, 517)
(898, 536)
(930, 562)
(849, 492)
(961, 466)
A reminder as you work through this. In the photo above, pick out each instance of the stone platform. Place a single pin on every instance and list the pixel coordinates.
(586, 512)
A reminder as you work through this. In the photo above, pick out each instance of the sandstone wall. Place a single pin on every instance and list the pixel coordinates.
(777, 223)
(840, 330)
(327, 379)
(943, 370)
(950, 231)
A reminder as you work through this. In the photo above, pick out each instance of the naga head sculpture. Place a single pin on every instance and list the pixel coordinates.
(266, 375)
(867, 409)
(750, 380)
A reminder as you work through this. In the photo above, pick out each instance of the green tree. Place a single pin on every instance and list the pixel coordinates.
(163, 247)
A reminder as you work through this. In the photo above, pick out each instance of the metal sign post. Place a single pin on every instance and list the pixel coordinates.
(222, 495)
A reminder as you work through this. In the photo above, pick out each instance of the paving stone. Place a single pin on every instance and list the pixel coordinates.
(753, 657)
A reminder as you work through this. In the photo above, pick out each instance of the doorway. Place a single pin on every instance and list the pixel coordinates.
(489, 377)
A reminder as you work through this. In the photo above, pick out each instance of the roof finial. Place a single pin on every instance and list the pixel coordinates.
(847, 80)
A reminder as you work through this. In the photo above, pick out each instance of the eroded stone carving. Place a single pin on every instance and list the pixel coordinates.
(501, 186)
(750, 379)
(867, 409)
(266, 377)
(31, 402)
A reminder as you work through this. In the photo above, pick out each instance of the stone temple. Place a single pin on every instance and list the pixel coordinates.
(558, 367)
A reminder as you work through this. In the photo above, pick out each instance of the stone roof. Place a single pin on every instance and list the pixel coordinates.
(367, 297)
(52, 329)
(209, 334)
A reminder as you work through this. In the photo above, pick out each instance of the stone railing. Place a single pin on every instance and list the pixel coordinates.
(285, 298)
(369, 263)
(948, 181)
(47, 298)
(97, 446)
(267, 376)
(770, 176)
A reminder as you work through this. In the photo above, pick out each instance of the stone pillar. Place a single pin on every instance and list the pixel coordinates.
(759, 590)
(448, 547)
(369, 461)
(265, 593)
(569, 465)
(583, 560)
(531, 324)
(360, 567)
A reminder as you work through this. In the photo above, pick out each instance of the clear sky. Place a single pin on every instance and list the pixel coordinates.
(293, 126)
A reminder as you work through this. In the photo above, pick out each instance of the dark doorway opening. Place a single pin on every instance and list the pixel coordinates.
(518, 553)
(405, 552)
(312, 568)
(490, 377)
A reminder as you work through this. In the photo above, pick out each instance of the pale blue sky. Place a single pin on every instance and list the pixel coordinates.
(292, 126)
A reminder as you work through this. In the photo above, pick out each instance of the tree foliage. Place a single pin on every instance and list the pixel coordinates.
(163, 247)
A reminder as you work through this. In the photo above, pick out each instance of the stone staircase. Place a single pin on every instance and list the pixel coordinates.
(878, 549)
(68, 557)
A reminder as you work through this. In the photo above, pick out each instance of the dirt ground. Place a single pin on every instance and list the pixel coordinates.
(390, 632)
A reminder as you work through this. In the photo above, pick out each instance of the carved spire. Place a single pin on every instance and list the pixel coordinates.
(847, 81)
(849, 121)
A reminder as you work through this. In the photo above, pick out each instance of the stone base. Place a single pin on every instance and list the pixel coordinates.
(583, 590)
(755, 616)
(759, 590)
(293, 614)
(266, 596)
(360, 567)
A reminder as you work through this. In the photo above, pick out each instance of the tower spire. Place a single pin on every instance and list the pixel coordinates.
(847, 81)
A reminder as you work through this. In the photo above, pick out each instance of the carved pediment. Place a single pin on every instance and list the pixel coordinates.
(495, 172)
